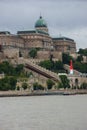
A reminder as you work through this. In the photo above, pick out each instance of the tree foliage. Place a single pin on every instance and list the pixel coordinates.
(24, 86)
(58, 65)
(11, 75)
(37, 86)
(82, 52)
(64, 81)
(50, 84)
(19, 69)
(8, 83)
(60, 85)
(46, 64)
(33, 53)
(82, 67)
(66, 58)
(8, 69)
(51, 65)
(83, 86)
(79, 58)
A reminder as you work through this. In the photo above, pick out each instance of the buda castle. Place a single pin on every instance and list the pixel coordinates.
(39, 39)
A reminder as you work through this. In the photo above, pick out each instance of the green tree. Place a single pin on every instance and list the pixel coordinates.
(60, 85)
(83, 86)
(58, 65)
(8, 83)
(12, 82)
(8, 69)
(64, 81)
(33, 53)
(79, 58)
(50, 84)
(24, 86)
(66, 58)
(46, 64)
(82, 67)
(37, 86)
(82, 52)
(19, 68)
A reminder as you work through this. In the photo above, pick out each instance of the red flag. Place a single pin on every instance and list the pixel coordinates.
(71, 67)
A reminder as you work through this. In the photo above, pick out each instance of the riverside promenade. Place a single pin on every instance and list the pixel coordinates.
(41, 93)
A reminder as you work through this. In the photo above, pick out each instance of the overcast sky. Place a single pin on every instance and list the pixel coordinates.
(64, 17)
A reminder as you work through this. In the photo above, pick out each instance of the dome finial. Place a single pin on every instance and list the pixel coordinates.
(40, 16)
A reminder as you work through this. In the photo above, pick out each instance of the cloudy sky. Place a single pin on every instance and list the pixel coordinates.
(64, 17)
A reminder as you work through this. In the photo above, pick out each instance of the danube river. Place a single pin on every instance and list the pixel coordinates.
(44, 113)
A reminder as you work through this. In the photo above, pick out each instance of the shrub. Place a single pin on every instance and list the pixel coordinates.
(50, 84)
(24, 86)
(8, 83)
(37, 86)
(66, 58)
(33, 53)
(64, 81)
(60, 85)
(83, 86)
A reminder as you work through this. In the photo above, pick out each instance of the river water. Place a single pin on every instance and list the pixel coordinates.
(44, 113)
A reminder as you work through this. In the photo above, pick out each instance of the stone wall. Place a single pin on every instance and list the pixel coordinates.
(57, 55)
(43, 55)
(11, 40)
(65, 46)
(36, 78)
(11, 53)
(74, 55)
(76, 80)
(46, 55)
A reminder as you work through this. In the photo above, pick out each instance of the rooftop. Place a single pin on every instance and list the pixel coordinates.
(63, 38)
(32, 31)
(4, 32)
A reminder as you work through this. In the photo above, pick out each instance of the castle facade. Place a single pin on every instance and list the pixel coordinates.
(38, 38)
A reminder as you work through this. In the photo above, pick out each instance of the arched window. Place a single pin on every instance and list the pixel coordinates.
(76, 82)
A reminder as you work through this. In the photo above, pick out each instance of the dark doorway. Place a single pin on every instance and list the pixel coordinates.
(76, 82)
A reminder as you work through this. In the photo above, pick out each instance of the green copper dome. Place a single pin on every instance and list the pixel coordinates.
(40, 22)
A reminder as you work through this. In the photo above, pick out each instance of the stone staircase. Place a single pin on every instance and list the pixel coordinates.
(32, 66)
(41, 70)
(36, 61)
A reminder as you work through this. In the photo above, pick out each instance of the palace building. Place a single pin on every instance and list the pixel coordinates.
(38, 38)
